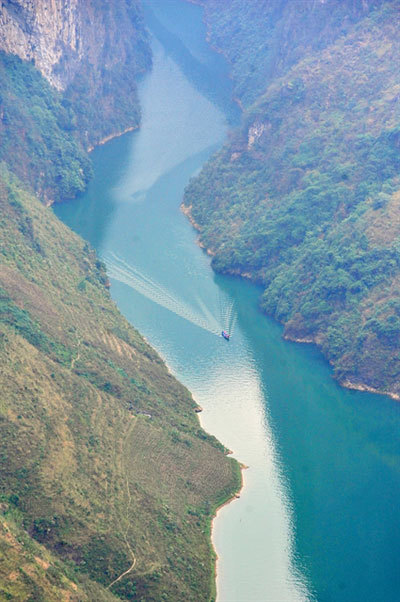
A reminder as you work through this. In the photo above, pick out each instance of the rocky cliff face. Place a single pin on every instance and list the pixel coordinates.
(43, 32)
(90, 50)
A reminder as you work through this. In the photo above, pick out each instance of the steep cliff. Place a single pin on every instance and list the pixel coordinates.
(304, 198)
(92, 51)
(44, 32)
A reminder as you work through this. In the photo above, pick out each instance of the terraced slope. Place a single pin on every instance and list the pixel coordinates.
(103, 459)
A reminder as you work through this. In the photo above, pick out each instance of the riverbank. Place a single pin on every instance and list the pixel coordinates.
(223, 503)
(186, 211)
(345, 383)
(365, 388)
(112, 136)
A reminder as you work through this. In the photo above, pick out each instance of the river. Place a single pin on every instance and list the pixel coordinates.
(318, 517)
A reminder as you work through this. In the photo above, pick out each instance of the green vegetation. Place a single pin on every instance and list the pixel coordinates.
(85, 471)
(28, 571)
(262, 40)
(107, 482)
(305, 197)
(37, 128)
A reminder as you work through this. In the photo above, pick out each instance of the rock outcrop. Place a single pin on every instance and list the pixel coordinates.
(90, 50)
(44, 32)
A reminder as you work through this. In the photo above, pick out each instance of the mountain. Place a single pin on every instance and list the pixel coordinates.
(107, 482)
(304, 197)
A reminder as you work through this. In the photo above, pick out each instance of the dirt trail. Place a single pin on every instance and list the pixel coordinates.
(126, 518)
(78, 354)
(130, 568)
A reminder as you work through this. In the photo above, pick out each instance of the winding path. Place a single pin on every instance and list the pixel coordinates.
(134, 559)
(128, 570)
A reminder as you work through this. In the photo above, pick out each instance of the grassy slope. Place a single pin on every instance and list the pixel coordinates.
(305, 200)
(91, 476)
(104, 466)
(29, 571)
(94, 478)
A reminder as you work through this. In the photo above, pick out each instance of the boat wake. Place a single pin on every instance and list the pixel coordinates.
(228, 315)
(121, 270)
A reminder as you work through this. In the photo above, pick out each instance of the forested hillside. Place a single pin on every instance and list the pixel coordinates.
(304, 198)
(262, 39)
(38, 133)
(105, 471)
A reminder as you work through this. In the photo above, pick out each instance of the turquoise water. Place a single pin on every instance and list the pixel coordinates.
(318, 517)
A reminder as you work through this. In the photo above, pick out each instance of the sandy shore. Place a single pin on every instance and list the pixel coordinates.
(111, 136)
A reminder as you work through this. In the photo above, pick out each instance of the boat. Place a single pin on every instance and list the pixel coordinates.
(225, 335)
